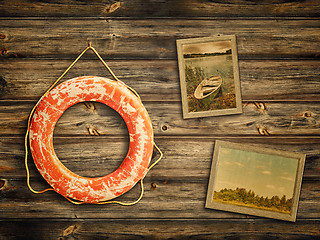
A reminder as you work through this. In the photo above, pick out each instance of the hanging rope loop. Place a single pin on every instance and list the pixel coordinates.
(34, 108)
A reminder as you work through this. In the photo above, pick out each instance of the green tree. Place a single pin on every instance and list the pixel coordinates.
(283, 200)
(241, 195)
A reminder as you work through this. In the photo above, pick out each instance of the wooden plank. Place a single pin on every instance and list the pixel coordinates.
(163, 199)
(178, 182)
(159, 8)
(155, 38)
(158, 80)
(159, 229)
(184, 158)
(281, 111)
(262, 118)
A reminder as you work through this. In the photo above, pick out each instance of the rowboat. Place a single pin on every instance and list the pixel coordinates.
(208, 87)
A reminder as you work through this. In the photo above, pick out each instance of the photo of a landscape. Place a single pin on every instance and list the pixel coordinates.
(209, 76)
(255, 180)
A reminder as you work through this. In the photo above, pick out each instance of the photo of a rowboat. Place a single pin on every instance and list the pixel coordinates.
(209, 76)
(208, 87)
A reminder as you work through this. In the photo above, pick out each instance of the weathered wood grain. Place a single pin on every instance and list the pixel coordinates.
(155, 38)
(278, 45)
(185, 159)
(159, 8)
(170, 199)
(176, 188)
(160, 229)
(273, 118)
(158, 80)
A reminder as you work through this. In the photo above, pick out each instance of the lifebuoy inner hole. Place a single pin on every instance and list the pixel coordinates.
(91, 139)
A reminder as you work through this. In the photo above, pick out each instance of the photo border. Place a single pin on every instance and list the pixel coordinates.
(252, 211)
(238, 108)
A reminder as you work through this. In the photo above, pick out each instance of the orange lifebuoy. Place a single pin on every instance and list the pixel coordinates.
(116, 95)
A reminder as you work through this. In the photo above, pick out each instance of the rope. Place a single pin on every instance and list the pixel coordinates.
(141, 186)
(34, 108)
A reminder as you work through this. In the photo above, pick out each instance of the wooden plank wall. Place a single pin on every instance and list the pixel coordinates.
(278, 47)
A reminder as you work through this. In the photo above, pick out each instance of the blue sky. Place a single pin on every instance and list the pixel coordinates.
(267, 175)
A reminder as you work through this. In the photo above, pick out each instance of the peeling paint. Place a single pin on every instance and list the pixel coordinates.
(117, 96)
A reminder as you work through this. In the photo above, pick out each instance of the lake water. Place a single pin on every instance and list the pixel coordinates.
(216, 65)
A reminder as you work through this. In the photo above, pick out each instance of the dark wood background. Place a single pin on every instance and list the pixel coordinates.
(279, 48)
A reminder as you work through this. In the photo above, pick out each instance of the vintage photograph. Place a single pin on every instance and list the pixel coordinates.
(209, 76)
(255, 181)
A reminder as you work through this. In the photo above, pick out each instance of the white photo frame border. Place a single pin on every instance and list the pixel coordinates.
(253, 211)
(238, 109)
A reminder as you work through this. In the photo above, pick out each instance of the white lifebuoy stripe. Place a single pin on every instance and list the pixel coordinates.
(116, 95)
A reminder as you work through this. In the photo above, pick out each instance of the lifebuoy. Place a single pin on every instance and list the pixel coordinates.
(116, 95)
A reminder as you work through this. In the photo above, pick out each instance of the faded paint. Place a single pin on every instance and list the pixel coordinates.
(117, 96)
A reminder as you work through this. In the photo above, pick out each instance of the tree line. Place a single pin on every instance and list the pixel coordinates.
(196, 55)
(251, 198)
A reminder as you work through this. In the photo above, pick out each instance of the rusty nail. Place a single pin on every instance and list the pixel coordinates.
(164, 128)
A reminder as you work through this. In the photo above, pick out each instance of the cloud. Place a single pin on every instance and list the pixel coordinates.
(291, 179)
(270, 186)
(261, 167)
(282, 189)
(224, 163)
(225, 151)
(238, 164)
(230, 163)
(266, 172)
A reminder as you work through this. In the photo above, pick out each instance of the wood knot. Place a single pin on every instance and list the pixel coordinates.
(263, 131)
(90, 106)
(112, 8)
(260, 106)
(70, 230)
(3, 183)
(93, 131)
(3, 51)
(3, 86)
(2, 36)
(307, 114)
(153, 186)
